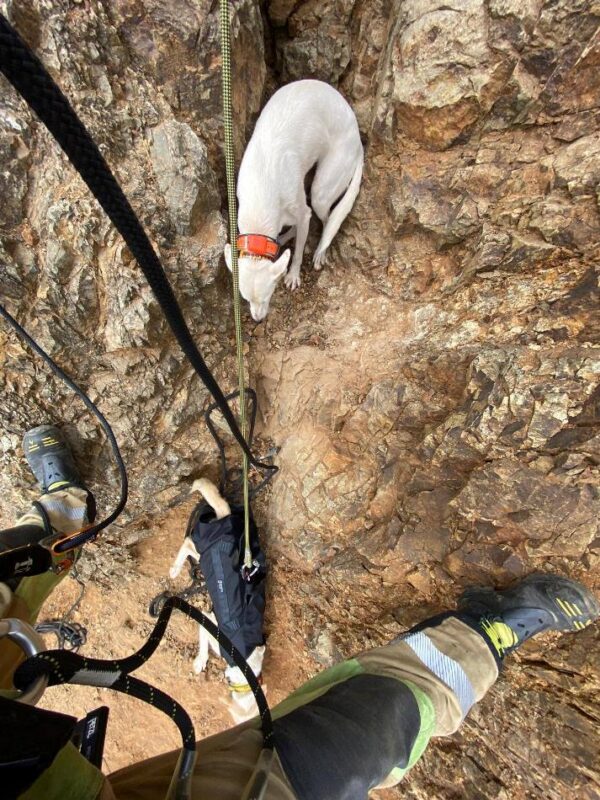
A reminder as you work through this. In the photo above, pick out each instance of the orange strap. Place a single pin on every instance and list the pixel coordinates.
(255, 244)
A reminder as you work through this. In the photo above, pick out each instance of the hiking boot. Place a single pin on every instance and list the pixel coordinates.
(50, 458)
(536, 604)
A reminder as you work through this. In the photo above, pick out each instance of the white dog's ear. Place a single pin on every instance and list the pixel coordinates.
(227, 254)
(279, 267)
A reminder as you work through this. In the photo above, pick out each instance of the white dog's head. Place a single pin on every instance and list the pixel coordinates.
(258, 279)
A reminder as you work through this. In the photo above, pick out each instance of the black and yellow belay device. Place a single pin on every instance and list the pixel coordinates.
(30, 737)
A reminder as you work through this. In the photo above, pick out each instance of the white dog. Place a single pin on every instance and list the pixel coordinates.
(304, 124)
(243, 705)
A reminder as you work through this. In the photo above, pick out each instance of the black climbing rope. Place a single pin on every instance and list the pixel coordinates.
(196, 586)
(230, 484)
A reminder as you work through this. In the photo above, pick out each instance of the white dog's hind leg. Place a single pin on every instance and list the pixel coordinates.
(212, 496)
(292, 279)
(205, 641)
(201, 659)
(333, 175)
(186, 549)
(214, 645)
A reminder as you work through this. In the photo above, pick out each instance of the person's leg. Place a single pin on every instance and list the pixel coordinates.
(65, 506)
(55, 769)
(225, 763)
(363, 724)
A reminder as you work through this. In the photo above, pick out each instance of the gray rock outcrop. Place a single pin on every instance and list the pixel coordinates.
(433, 393)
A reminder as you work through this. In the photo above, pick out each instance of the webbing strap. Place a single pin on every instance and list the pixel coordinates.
(231, 202)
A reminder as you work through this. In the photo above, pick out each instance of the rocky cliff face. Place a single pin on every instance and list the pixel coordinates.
(433, 392)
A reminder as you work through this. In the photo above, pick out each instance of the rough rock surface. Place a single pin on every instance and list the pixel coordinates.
(434, 392)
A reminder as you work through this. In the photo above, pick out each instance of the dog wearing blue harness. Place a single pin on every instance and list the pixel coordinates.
(215, 541)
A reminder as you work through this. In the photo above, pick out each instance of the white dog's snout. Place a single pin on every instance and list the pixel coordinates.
(259, 312)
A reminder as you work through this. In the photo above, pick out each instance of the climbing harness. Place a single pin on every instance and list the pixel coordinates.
(62, 666)
(237, 595)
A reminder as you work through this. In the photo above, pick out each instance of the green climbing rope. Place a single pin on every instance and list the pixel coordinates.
(231, 200)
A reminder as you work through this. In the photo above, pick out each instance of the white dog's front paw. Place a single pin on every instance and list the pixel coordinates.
(200, 663)
(174, 572)
(319, 259)
(292, 280)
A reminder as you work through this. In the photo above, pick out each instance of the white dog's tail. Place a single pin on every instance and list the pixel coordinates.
(340, 212)
(212, 496)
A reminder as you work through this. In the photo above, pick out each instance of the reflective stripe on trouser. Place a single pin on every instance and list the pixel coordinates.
(449, 661)
(455, 667)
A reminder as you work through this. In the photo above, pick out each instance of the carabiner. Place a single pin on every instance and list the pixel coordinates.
(31, 643)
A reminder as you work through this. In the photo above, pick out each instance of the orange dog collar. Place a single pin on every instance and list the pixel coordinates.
(255, 244)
